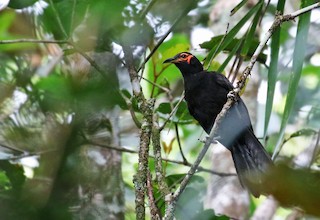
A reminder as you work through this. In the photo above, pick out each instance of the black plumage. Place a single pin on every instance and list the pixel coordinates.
(206, 93)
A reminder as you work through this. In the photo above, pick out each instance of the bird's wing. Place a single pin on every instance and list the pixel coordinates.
(221, 80)
(206, 94)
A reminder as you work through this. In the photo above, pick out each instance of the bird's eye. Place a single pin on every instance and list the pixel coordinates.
(183, 56)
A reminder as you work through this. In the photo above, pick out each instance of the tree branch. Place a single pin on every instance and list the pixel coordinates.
(173, 111)
(146, 108)
(160, 175)
(34, 41)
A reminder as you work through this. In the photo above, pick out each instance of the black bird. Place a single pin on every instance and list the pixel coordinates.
(206, 93)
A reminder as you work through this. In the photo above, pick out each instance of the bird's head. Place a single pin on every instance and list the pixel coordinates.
(186, 62)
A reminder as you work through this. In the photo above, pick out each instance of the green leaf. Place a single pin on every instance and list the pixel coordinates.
(235, 43)
(231, 54)
(303, 132)
(4, 181)
(238, 6)
(8, 18)
(298, 58)
(231, 35)
(273, 69)
(62, 17)
(14, 173)
(19, 4)
(55, 93)
(249, 38)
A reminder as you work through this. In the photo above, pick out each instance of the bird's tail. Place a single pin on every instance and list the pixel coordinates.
(251, 161)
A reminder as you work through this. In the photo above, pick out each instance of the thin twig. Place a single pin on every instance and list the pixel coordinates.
(131, 110)
(173, 111)
(154, 211)
(264, 11)
(88, 58)
(12, 148)
(183, 14)
(179, 144)
(34, 41)
(166, 90)
(236, 72)
(221, 41)
(179, 162)
(303, 10)
(145, 11)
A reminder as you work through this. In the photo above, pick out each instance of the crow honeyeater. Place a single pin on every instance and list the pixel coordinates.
(206, 93)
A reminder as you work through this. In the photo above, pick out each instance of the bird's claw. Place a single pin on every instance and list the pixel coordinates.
(204, 140)
(232, 95)
(214, 141)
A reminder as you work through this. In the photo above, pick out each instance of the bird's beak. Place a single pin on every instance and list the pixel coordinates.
(170, 60)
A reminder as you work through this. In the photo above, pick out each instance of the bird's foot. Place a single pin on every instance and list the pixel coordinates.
(204, 140)
(232, 95)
